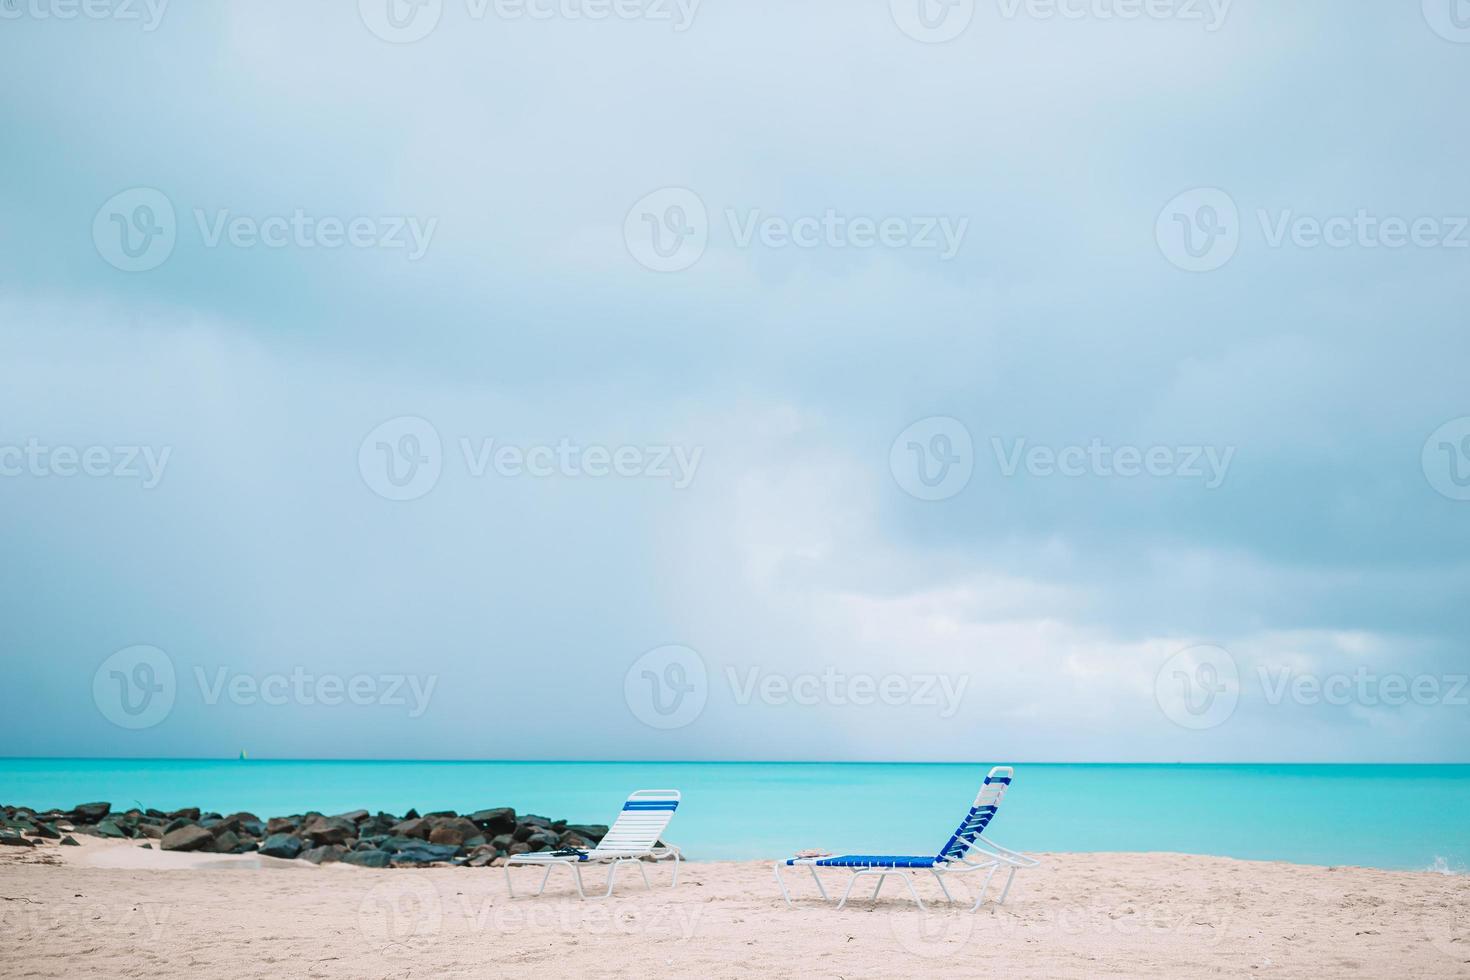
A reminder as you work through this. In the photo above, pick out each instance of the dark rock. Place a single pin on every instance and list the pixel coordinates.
(476, 841)
(440, 813)
(499, 820)
(570, 839)
(480, 860)
(281, 825)
(502, 842)
(413, 827)
(411, 815)
(245, 847)
(145, 846)
(281, 846)
(70, 841)
(109, 828)
(543, 839)
(446, 835)
(224, 842)
(325, 854)
(591, 831)
(14, 839)
(187, 838)
(368, 859)
(89, 812)
(190, 813)
(47, 831)
(149, 830)
(518, 848)
(156, 813)
(352, 816)
(178, 822)
(328, 830)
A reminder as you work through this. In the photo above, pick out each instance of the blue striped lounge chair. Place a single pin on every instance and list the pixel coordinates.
(632, 837)
(967, 851)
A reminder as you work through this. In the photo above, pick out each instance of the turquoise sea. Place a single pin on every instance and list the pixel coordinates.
(1385, 816)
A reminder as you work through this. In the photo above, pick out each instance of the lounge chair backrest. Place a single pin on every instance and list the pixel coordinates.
(980, 815)
(645, 815)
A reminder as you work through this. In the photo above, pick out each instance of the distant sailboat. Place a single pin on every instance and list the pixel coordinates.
(243, 756)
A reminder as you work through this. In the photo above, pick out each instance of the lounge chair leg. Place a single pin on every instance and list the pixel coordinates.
(815, 877)
(851, 881)
(878, 887)
(544, 878)
(642, 866)
(943, 887)
(612, 873)
(984, 885)
(675, 883)
(1006, 890)
(510, 888)
(781, 884)
(908, 880)
(577, 874)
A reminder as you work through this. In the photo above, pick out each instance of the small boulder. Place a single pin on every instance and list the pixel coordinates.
(446, 835)
(352, 816)
(89, 812)
(324, 854)
(281, 825)
(189, 837)
(190, 813)
(70, 841)
(281, 846)
(590, 831)
(413, 827)
(109, 828)
(368, 859)
(224, 842)
(498, 820)
(45, 830)
(178, 822)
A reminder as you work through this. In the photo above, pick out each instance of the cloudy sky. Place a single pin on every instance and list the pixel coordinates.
(760, 380)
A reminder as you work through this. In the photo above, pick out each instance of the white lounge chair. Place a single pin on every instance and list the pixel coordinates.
(632, 837)
(967, 851)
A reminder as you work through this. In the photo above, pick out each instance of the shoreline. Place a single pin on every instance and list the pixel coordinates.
(109, 907)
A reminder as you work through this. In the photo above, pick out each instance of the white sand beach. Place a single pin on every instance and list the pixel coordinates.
(114, 909)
